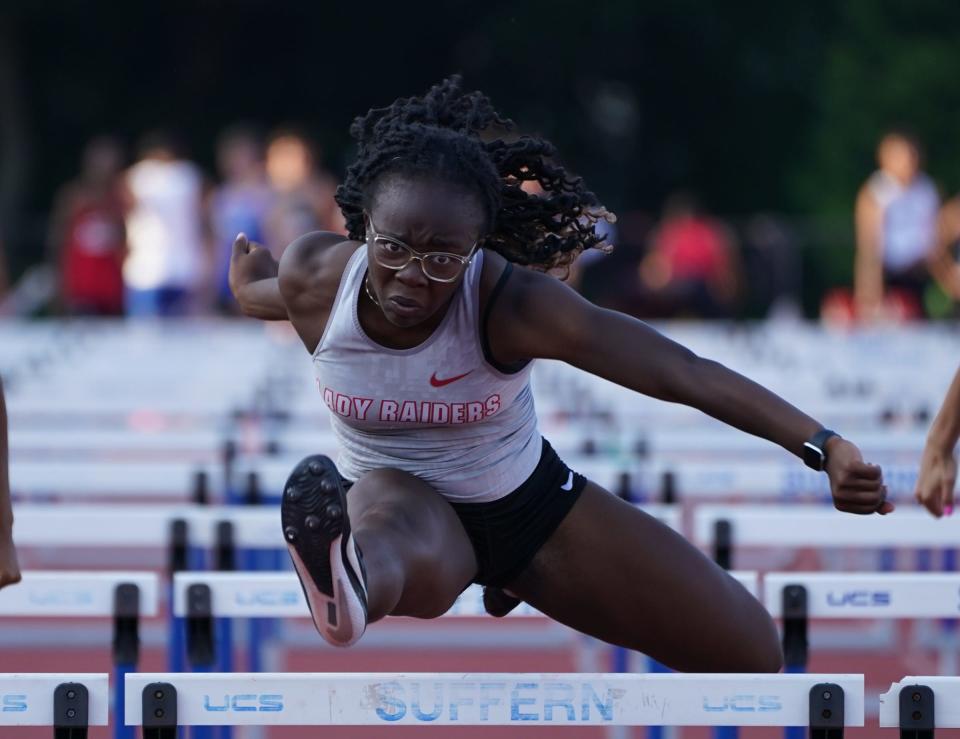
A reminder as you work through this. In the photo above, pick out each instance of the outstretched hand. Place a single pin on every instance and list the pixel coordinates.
(936, 481)
(857, 487)
(250, 262)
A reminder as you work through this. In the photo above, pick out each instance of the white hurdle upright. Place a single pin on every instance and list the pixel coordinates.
(61, 700)
(164, 701)
(920, 705)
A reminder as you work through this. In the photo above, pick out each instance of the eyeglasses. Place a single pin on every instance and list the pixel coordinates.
(439, 266)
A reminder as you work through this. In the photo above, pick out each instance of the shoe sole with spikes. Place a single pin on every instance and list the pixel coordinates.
(316, 527)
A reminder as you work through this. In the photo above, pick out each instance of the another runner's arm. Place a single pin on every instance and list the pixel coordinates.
(9, 568)
(937, 477)
(943, 265)
(539, 316)
(309, 275)
(945, 430)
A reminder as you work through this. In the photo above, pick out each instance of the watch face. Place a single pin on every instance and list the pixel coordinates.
(812, 456)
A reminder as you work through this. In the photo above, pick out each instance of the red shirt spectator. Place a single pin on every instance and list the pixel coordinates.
(691, 267)
(89, 237)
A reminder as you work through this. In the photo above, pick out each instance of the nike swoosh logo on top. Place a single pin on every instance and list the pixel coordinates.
(568, 485)
(440, 383)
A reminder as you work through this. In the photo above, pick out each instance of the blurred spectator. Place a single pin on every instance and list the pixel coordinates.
(87, 239)
(240, 203)
(690, 269)
(895, 218)
(303, 193)
(166, 264)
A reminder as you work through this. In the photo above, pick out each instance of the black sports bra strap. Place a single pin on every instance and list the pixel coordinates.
(507, 369)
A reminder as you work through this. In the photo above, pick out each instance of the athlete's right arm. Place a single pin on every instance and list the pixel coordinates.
(308, 279)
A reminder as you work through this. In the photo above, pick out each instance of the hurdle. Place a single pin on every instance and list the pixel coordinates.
(68, 702)
(142, 525)
(867, 594)
(796, 596)
(279, 595)
(621, 656)
(722, 528)
(148, 524)
(817, 526)
(122, 596)
(187, 531)
(162, 702)
(920, 705)
(205, 600)
(91, 479)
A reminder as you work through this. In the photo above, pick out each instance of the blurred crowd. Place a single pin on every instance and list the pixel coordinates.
(154, 238)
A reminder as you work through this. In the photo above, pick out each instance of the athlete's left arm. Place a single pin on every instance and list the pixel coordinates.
(538, 316)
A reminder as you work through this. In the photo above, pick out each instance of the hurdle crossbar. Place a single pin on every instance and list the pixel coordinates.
(868, 594)
(68, 593)
(28, 699)
(819, 526)
(936, 704)
(143, 525)
(368, 699)
(146, 525)
(278, 595)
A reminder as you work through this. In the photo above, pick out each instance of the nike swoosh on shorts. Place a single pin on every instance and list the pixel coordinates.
(568, 485)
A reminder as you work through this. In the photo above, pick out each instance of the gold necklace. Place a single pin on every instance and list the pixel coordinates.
(366, 286)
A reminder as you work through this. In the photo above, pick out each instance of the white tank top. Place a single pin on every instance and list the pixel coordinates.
(909, 218)
(164, 229)
(439, 411)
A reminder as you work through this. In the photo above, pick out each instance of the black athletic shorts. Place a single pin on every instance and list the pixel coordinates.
(507, 533)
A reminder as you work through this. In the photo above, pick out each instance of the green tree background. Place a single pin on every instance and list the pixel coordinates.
(758, 107)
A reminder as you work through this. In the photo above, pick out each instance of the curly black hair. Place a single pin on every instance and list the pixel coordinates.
(448, 133)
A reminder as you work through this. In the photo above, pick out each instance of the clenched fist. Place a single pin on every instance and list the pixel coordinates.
(249, 262)
(857, 487)
(937, 480)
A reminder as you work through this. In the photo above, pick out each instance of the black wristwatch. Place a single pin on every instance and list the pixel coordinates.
(814, 450)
